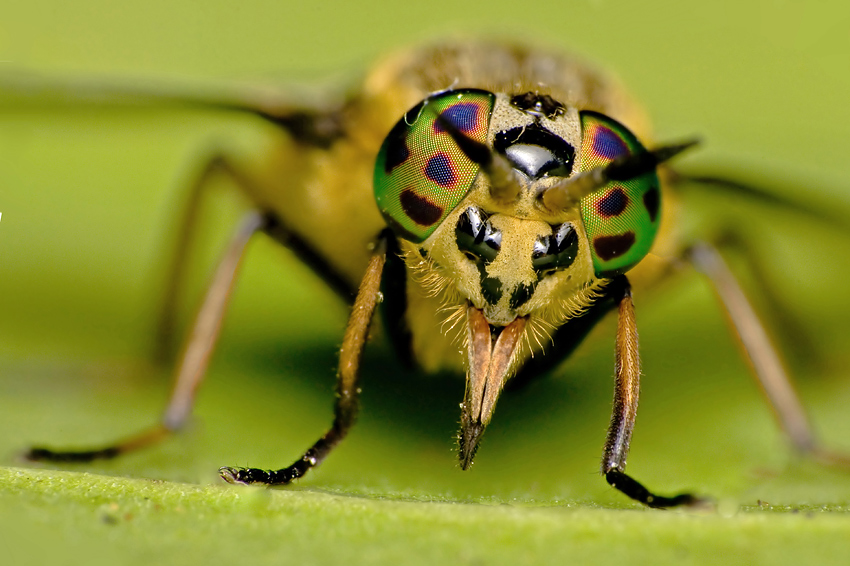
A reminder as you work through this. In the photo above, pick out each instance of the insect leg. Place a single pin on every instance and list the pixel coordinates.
(175, 272)
(765, 359)
(221, 164)
(792, 338)
(626, 392)
(195, 356)
(348, 392)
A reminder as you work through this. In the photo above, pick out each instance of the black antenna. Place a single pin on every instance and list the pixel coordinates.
(568, 193)
(503, 182)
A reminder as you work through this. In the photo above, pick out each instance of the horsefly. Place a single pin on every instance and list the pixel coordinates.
(498, 200)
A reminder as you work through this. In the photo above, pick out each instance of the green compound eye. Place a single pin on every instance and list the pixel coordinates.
(421, 174)
(621, 219)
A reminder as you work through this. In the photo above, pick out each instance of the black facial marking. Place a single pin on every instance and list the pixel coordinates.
(521, 295)
(480, 242)
(538, 104)
(613, 203)
(396, 144)
(609, 247)
(419, 209)
(491, 288)
(535, 151)
(652, 202)
(556, 251)
(476, 237)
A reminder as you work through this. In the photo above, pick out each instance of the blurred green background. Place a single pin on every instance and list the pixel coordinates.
(87, 198)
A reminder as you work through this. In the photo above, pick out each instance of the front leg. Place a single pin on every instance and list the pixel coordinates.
(626, 393)
(348, 392)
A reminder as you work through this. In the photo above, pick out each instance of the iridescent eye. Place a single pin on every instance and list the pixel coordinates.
(421, 174)
(621, 219)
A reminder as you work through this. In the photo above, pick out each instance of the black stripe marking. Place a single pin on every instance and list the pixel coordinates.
(652, 202)
(609, 247)
(419, 209)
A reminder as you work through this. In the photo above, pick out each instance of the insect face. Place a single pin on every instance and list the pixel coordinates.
(509, 266)
(501, 249)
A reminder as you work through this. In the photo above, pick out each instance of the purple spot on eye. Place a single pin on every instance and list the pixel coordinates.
(607, 144)
(439, 169)
(613, 203)
(419, 209)
(463, 116)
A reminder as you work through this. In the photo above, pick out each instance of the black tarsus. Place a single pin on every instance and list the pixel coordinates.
(345, 408)
(36, 454)
(634, 489)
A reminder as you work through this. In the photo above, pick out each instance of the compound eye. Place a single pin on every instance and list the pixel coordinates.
(556, 251)
(621, 219)
(476, 237)
(421, 174)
